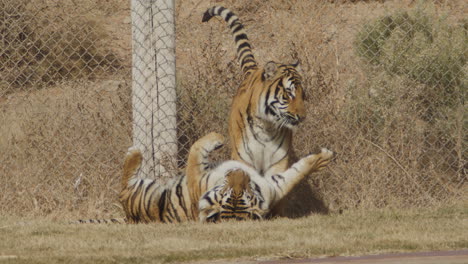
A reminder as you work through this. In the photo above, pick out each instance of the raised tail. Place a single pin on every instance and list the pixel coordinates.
(244, 50)
(131, 166)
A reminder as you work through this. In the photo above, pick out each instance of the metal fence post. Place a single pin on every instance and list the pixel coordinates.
(154, 95)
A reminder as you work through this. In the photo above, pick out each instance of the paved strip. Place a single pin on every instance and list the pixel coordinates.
(433, 257)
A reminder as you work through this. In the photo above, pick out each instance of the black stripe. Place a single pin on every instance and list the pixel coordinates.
(228, 207)
(241, 208)
(280, 144)
(208, 199)
(148, 201)
(141, 202)
(241, 202)
(242, 211)
(162, 205)
(257, 188)
(228, 16)
(241, 37)
(243, 52)
(274, 179)
(267, 106)
(207, 178)
(180, 196)
(252, 67)
(170, 215)
(135, 193)
(279, 160)
(294, 168)
(260, 202)
(238, 26)
(213, 218)
(227, 217)
(243, 45)
(220, 10)
(247, 59)
(176, 214)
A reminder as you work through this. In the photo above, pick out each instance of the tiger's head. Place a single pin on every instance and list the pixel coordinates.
(237, 197)
(282, 100)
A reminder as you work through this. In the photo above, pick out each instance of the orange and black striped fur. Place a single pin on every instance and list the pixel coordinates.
(269, 103)
(209, 192)
(144, 200)
(245, 194)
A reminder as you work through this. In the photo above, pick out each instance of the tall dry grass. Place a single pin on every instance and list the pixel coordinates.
(62, 145)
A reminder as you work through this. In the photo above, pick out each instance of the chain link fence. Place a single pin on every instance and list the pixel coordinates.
(154, 91)
(386, 93)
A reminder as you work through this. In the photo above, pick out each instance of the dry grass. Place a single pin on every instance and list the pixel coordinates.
(62, 145)
(352, 233)
(43, 44)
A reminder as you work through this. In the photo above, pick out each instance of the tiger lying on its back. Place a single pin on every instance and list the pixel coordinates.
(230, 190)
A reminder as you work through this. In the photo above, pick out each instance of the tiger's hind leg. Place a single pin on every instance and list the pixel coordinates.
(198, 165)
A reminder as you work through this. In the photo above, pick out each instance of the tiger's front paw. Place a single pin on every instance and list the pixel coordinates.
(319, 161)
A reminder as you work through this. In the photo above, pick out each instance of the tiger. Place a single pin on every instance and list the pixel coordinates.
(267, 108)
(246, 194)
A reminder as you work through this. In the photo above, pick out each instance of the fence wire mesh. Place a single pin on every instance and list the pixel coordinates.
(154, 92)
(387, 93)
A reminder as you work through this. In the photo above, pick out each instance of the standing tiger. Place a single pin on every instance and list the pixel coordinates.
(268, 105)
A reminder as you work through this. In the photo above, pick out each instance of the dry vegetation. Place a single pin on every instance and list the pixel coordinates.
(65, 105)
(351, 233)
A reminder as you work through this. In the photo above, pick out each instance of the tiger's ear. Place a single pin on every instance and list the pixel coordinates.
(297, 65)
(270, 70)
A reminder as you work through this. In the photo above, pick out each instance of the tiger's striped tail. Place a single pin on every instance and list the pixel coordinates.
(100, 221)
(244, 50)
(131, 166)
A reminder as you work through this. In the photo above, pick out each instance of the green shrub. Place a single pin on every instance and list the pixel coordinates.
(420, 46)
(413, 103)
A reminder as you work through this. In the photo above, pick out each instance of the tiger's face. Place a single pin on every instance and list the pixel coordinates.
(237, 205)
(237, 196)
(283, 100)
